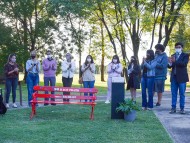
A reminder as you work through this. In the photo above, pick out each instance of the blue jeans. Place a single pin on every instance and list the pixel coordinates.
(147, 83)
(49, 81)
(32, 80)
(174, 90)
(11, 83)
(88, 84)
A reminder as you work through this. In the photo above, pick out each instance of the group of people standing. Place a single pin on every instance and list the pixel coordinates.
(154, 73)
(49, 67)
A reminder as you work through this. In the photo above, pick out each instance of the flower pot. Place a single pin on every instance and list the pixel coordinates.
(131, 116)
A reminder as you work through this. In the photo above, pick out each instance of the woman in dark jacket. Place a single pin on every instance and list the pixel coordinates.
(134, 77)
(11, 74)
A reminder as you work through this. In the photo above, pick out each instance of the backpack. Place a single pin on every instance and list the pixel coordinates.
(3, 108)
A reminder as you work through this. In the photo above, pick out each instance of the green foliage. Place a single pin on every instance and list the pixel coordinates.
(127, 106)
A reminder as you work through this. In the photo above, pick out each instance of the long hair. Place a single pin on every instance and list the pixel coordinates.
(116, 57)
(151, 53)
(86, 62)
(10, 56)
(135, 60)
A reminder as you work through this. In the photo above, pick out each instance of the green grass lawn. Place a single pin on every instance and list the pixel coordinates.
(71, 123)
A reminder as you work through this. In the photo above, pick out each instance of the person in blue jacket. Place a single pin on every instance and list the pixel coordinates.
(160, 71)
(147, 80)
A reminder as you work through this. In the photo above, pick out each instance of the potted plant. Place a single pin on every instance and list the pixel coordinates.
(129, 108)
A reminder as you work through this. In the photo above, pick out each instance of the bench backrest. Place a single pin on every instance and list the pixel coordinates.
(65, 89)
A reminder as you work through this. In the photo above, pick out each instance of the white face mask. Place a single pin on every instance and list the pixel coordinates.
(49, 56)
(115, 61)
(178, 50)
(13, 60)
(89, 60)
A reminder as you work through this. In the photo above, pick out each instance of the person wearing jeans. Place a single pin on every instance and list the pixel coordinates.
(33, 69)
(49, 66)
(179, 76)
(147, 80)
(11, 74)
(88, 70)
(147, 83)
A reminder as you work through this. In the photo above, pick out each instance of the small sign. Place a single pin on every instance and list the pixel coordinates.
(118, 79)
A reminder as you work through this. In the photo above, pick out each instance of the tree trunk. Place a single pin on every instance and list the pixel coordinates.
(103, 52)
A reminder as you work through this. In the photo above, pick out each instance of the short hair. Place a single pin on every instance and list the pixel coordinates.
(179, 43)
(48, 51)
(160, 47)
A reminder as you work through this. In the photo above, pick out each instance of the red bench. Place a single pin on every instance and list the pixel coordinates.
(76, 97)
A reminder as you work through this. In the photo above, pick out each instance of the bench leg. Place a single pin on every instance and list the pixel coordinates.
(92, 113)
(33, 110)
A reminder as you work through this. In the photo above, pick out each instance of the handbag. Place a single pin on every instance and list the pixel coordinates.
(80, 80)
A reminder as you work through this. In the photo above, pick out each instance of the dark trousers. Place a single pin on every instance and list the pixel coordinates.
(67, 82)
(11, 83)
(49, 81)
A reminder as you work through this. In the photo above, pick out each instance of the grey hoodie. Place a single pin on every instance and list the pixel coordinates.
(161, 66)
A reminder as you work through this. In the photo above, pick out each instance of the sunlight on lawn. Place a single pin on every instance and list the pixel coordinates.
(98, 81)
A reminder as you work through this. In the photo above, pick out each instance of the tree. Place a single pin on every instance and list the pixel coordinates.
(32, 23)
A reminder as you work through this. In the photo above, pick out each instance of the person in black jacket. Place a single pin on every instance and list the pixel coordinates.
(178, 62)
(134, 77)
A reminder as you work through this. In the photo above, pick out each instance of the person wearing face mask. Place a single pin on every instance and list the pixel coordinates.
(68, 70)
(88, 71)
(147, 81)
(134, 75)
(33, 69)
(179, 76)
(114, 70)
(49, 66)
(11, 73)
(160, 71)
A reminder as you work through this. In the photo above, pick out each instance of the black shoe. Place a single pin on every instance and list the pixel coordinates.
(46, 104)
(182, 111)
(158, 104)
(53, 104)
(173, 110)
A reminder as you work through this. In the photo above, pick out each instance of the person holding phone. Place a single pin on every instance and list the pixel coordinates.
(179, 76)
(33, 69)
(11, 73)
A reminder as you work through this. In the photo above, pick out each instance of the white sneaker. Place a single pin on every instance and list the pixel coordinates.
(7, 105)
(107, 102)
(14, 105)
